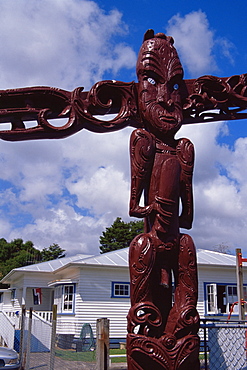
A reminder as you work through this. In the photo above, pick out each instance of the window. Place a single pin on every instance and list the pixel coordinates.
(58, 292)
(232, 295)
(120, 290)
(13, 294)
(64, 298)
(68, 298)
(220, 298)
(211, 298)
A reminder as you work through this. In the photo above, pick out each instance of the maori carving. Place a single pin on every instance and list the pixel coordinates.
(207, 98)
(163, 321)
(160, 330)
(43, 104)
(225, 98)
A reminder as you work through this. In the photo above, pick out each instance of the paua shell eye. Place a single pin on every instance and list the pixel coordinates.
(175, 86)
(151, 81)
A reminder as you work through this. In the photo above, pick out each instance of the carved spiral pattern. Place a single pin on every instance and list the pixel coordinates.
(107, 97)
(210, 92)
(145, 316)
(142, 151)
(165, 353)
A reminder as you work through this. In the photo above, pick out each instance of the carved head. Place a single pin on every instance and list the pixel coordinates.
(159, 73)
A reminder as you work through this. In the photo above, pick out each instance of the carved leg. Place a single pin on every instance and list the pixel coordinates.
(142, 150)
(183, 321)
(183, 317)
(177, 348)
(144, 317)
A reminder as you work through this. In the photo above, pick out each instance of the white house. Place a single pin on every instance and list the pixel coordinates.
(87, 287)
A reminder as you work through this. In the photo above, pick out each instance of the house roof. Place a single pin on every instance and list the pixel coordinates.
(207, 257)
(117, 258)
(48, 266)
(120, 258)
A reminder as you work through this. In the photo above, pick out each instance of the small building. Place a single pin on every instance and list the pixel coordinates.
(87, 287)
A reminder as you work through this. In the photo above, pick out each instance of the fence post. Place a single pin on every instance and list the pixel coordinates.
(205, 346)
(240, 288)
(102, 344)
(22, 329)
(29, 334)
(53, 336)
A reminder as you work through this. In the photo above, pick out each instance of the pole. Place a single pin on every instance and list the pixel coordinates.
(22, 330)
(240, 289)
(29, 334)
(102, 346)
(53, 336)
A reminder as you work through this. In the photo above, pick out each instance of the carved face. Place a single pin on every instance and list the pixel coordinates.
(159, 74)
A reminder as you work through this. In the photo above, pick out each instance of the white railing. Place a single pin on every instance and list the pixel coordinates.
(46, 315)
(14, 317)
(41, 333)
(7, 330)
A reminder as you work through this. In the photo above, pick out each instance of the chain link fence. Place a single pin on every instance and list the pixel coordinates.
(55, 345)
(47, 344)
(223, 345)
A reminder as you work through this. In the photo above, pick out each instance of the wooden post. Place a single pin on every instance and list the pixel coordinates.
(240, 288)
(53, 337)
(29, 337)
(22, 329)
(102, 345)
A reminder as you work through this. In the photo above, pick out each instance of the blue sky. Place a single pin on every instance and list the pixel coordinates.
(68, 191)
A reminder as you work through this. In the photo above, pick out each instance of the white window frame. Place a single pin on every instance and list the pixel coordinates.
(230, 298)
(64, 298)
(120, 289)
(211, 299)
(68, 298)
(58, 293)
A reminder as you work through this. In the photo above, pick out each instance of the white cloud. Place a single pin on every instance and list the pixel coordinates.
(219, 188)
(105, 190)
(76, 234)
(63, 43)
(68, 191)
(196, 43)
(59, 43)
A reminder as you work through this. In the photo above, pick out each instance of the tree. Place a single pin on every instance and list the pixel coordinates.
(53, 252)
(119, 235)
(16, 254)
(222, 248)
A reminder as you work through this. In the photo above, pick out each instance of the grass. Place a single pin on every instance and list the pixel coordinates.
(90, 356)
(118, 352)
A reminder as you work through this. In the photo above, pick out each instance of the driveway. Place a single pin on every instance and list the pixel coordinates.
(40, 361)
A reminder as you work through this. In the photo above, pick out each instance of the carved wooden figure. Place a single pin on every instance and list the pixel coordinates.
(162, 334)
(162, 321)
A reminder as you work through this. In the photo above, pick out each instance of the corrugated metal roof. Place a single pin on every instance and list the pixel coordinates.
(207, 257)
(53, 265)
(120, 258)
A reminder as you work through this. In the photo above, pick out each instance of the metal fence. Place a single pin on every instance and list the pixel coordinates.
(42, 344)
(46, 344)
(223, 344)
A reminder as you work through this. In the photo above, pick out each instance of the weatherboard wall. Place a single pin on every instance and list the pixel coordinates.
(94, 300)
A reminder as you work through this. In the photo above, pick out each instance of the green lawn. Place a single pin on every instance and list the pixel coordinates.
(90, 356)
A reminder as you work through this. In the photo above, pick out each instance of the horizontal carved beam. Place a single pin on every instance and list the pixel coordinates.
(205, 99)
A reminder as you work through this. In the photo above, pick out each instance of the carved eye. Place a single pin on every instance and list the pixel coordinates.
(175, 86)
(151, 81)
